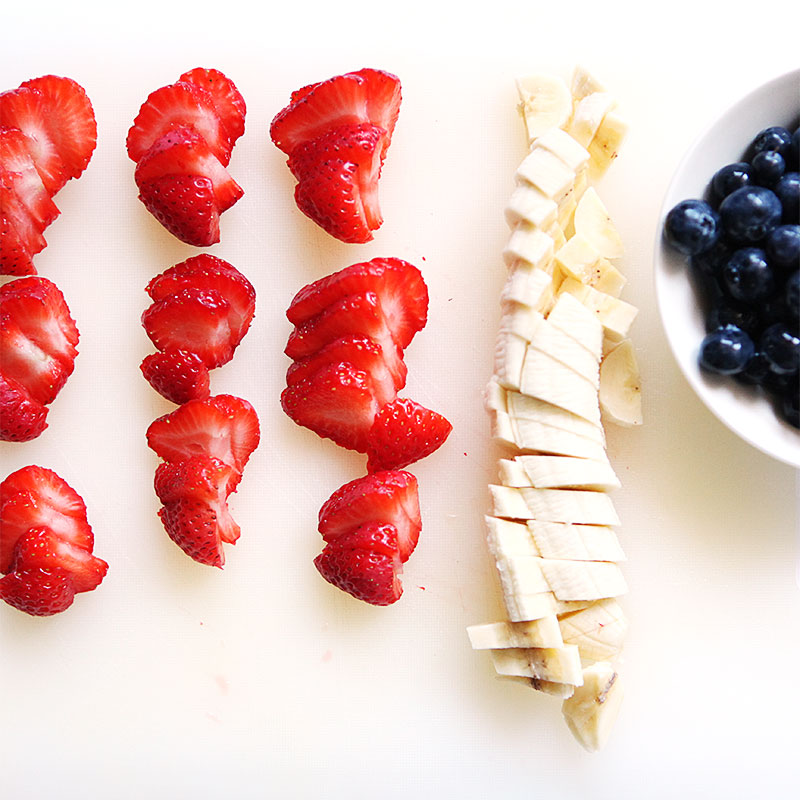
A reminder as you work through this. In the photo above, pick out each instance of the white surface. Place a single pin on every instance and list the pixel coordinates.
(174, 680)
(744, 411)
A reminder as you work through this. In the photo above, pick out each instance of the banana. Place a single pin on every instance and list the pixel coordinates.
(518, 318)
(552, 664)
(621, 386)
(544, 632)
(527, 607)
(523, 407)
(503, 430)
(598, 630)
(570, 316)
(494, 396)
(530, 245)
(615, 315)
(562, 145)
(591, 711)
(547, 172)
(588, 116)
(593, 223)
(509, 356)
(552, 341)
(553, 505)
(529, 204)
(564, 472)
(507, 539)
(604, 147)
(545, 103)
(528, 285)
(573, 542)
(533, 436)
(583, 84)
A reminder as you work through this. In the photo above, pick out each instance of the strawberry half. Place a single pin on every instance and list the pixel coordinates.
(228, 101)
(21, 417)
(16, 257)
(383, 497)
(19, 217)
(177, 375)
(365, 563)
(404, 432)
(38, 592)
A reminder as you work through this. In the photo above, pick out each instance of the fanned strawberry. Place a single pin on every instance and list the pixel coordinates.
(365, 563)
(19, 217)
(192, 525)
(336, 402)
(398, 284)
(177, 375)
(21, 417)
(15, 257)
(383, 497)
(404, 432)
(228, 101)
(180, 103)
(183, 151)
(38, 592)
(185, 205)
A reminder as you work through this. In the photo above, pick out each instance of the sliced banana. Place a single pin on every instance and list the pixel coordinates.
(530, 245)
(507, 538)
(621, 386)
(533, 436)
(592, 710)
(564, 472)
(604, 147)
(593, 223)
(523, 407)
(615, 315)
(552, 664)
(598, 630)
(544, 632)
(547, 172)
(553, 505)
(573, 318)
(545, 103)
(529, 204)
(572, 542)
(589, 114)
(583, 84)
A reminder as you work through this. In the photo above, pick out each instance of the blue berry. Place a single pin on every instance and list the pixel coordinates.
(794, 152)
(692, 227)
(768, 168)
(748, 277)
(783, 247)
(774, 138)
(729, 178)
(755, 371)
(750, 213)
(726, 350)
(789, 408)
(792, 294)
(782, 347)
(722, 313)
(710, 262)
(787, 188)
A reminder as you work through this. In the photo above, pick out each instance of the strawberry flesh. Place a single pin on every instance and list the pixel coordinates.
(38, 592)
(177, 375)
(15, 255)
(21, 417)
(226, 98)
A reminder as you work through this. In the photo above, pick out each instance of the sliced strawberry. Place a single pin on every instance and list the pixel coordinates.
(38, 592)
(399, 285)
(365, 563)
(222, 426)
(192, 319)
(177, 375)
(336, 402)
(367, 95)
(15, 257)
(21, 417)
(185, 206)
(181, 103)
(404, 432)
(33, 497)
(384, 497)
(193, 526)
(40, 548)
(71, 123)
(205, 271)
(183, 151)
(228, 101)
(19, 216)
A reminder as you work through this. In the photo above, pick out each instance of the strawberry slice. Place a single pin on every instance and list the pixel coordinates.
(398, 284)
(178, 104)
(21, 417)
(15, 256)
(183, 151)
(404, 432)
(21, 219)
(385, 497)
(38, 592)
(365, 563)
(336, 402)
(185, 205)
(228, 101)
(222, 426)
(177, 375)
(366, 96)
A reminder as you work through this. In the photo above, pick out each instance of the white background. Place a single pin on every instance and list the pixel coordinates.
(176, 680)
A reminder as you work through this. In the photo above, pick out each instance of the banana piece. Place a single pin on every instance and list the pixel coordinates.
(507, 539)
(544, 632)
(519, 319)
(552, 664)
(553, 505)
(509, 356)
(529, 204)
(604, 147)
(591, 711)
(562, 145)
(533, 436)
(583, 84)
(545, 103)
(530, 245)
(588, 116)
(547, 172)
(621, 386)
(528, 285)
(550, 340)
(527, 607)
(574, 542)
(494, 396)
(523, 408)
(503, 431)
(573, 318)
(598, 630)
(593, 223)
(615, 315)
(564, 472)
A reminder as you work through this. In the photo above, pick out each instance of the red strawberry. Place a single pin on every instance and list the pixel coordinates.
(205, 271)
(177, 375)
(365, 563)
(15, 257)
(384, 497)
(21, 417)
(228, 102)
(366, 96)
(38, 592)
(399, 285)
(181, 103)
(404, 432)
(183, 151)
(222, 426)
(19, 217)
(336, 402)
(185, 205)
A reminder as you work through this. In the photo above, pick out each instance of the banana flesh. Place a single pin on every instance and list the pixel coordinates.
(592, 709)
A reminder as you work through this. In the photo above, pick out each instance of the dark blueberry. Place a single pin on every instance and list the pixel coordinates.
(711, 261)
(726, 350)
(773, 310)
(721, 314)
(750, 213)
(794, 153)
(748, 277)
(792, 294)
(782, 347)
(790, 408)
(692, 226)
(788, 191)
(755, 371)
(783, 247)
(729, 178)
(774, 138)
(768, 168)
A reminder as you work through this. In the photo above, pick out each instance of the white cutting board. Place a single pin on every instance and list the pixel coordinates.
(176, 680)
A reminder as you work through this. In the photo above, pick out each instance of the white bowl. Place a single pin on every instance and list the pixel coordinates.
(747, 413)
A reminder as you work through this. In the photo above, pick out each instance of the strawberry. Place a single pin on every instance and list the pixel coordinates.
(15, 256)
(228, 102)
(384, 497)
(183, 151)
(399, 286)
(221, 426)
(177, 375)
(185, 205)
(336, 402)
(180, 103)
(365, 563)
(38, 592)
(21, 417)
(21, 219)
(366, 96)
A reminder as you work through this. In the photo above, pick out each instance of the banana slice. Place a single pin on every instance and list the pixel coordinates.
(598, 630)
(553, 505)
(508, 539)
(528, 284)
(570, 542)
(545, 103)
(529, 245)
(523, 407)
(621, 386)
(564, 472)
(588, 116)
(604, 147)
(561, 144)
(527, 607)
(615, 315)
(593, 223)
(552, 664)
(592, 710)
(547, 172)
(544, 632)
(570, 316)
(509, 356)
(533, 436)
(583, 84)
(529, 204)
(548, 339)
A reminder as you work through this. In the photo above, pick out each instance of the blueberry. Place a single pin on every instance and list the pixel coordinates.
(710, 262)
(748, 277)
(787, 189)
(729, 178)
(782, 347)
(783, 247)
(723, 313)
(792, 294)
(775, 138)
(726, 350)
(755, 371)
(768, 168)
(750, 213)
(790, 408)
(692, 226)
(794, 153)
